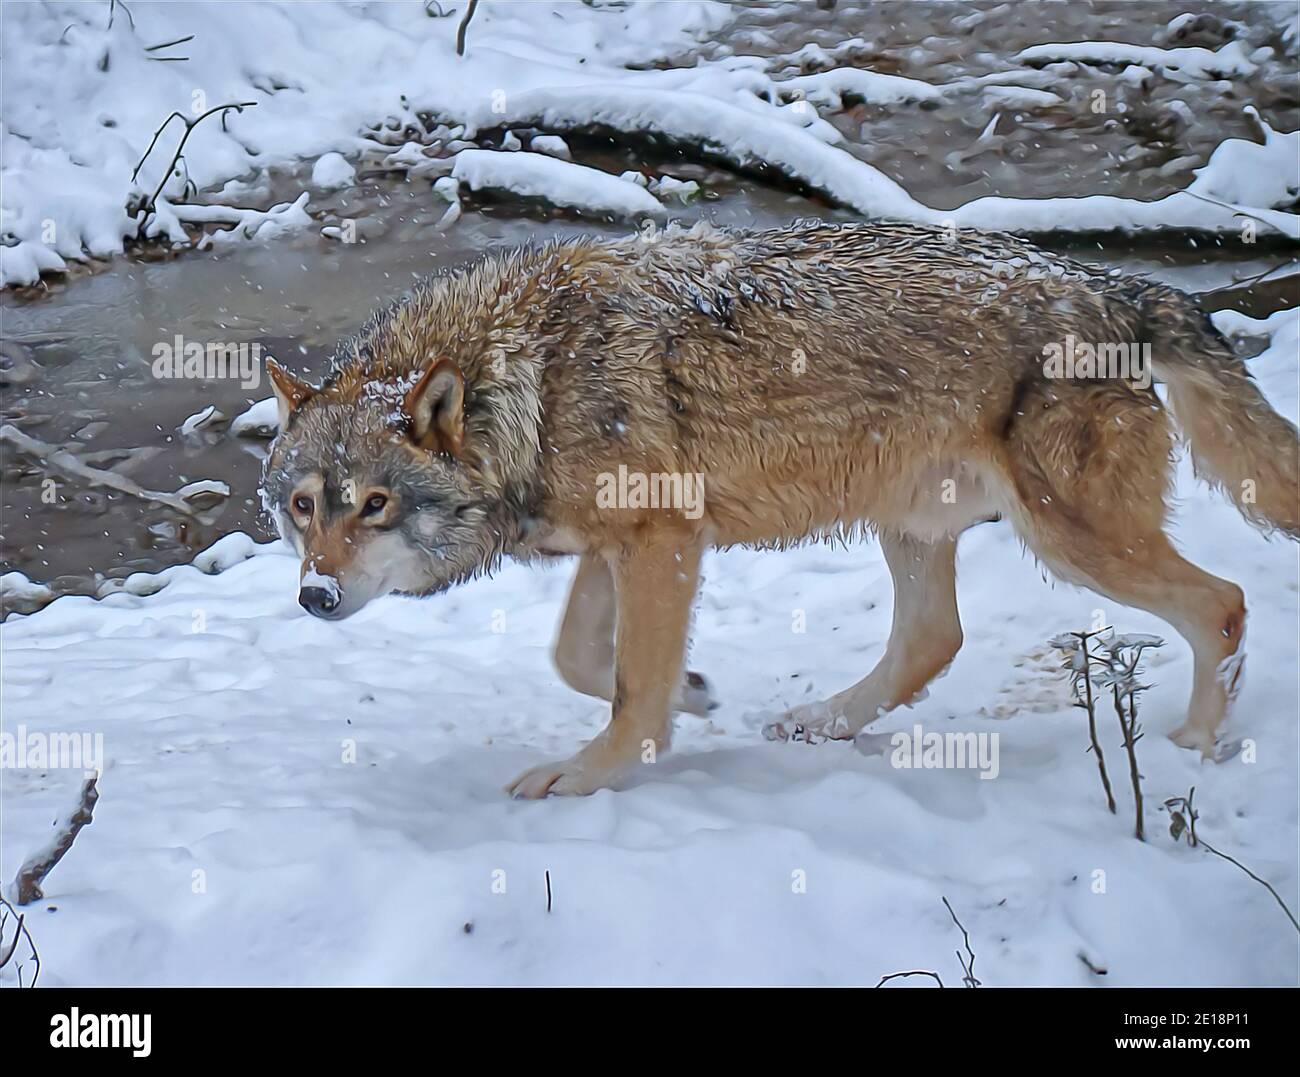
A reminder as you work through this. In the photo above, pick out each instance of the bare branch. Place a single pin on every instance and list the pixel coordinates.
(169, 44)
(967, 963)
(1117, 669)
(1183, 820)
(112, 11)
(153, 142)
(18, 934)
(1129, 725)
(22, 934)
(148, 208)
(191, 500)
(39, 865)
(1096, 970)
(464, 25)
(1083, 678)
(1237, 211)
(920, 972)
(1246, 282)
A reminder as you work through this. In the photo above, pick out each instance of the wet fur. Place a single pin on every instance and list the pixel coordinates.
(824, 379)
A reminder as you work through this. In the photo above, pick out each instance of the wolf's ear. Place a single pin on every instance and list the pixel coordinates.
(290, 392)
(435, 405)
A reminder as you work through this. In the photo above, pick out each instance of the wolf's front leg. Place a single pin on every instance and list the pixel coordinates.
(584, 648)
(655, 586)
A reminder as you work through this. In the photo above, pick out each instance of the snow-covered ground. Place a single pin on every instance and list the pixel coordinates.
(286, 800)
(83, 100)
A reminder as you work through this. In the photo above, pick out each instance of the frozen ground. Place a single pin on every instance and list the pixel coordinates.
(287, 800)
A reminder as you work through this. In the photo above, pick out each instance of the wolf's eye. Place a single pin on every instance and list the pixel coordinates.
(374, 505)
(302, 504)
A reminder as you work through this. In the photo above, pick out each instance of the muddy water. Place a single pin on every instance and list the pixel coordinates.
(93, 340)
(1108, 136)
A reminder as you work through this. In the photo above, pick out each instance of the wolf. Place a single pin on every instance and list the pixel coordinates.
(817, 380)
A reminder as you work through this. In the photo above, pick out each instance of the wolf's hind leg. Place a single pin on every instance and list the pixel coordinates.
(1104, 529)
(584, 648)
(655, 587)
(923, 641)
(1148, 573)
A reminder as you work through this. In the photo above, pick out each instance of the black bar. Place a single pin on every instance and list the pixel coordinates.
(335, 1025)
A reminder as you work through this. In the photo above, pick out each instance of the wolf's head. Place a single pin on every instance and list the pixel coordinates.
(370, 483)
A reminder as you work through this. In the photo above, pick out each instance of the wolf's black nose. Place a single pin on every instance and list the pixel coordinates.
(318, 601)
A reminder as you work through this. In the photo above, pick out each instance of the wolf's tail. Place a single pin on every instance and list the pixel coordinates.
(1238, 442)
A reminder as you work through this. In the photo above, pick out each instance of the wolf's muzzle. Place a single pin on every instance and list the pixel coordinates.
(319, 602)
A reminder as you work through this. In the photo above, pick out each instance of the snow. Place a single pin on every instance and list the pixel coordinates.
(562, 183)
(332, 171)
(882, 90)
(871, 87)
(201, 420)
(83, 101)
(669, 188)
(1252, 174)
(289, 800)
(723, 128)
(260, 420)
(1244, 177)
(552, 145)
(17, 592)
(280, 219)
(1280, 326)
(203, 486)
(1231, 59)
(1021, 97)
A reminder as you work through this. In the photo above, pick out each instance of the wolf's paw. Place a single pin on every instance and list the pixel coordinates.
(695, 695)
(575, 777)
(1190, 736)
(812, 723)
(538, 782)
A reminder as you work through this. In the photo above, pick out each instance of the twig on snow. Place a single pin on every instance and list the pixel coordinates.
(113, 5)
(169, 44)
(1079, 663)
(21, 934)
(1128, 725)
(39, 865)
(919, 972)
(1182, 819)
(1124, 655)
(464, 25)
(1116, 668)
(967, 961)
